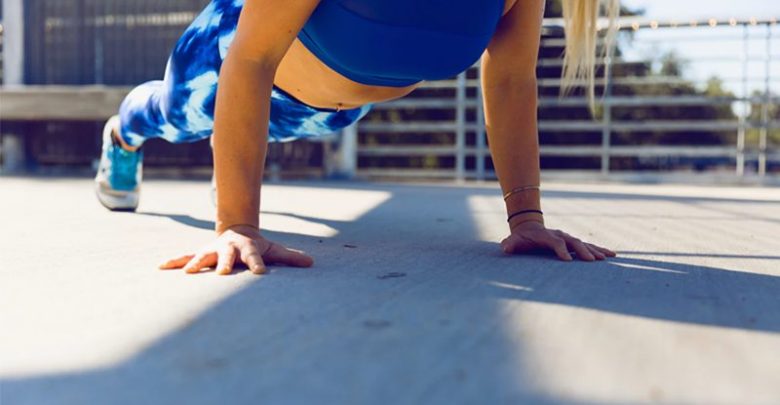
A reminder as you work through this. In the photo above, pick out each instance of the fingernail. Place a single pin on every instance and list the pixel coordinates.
(258, 270)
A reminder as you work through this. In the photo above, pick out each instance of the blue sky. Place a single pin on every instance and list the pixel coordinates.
(685, 9)
(723, 42)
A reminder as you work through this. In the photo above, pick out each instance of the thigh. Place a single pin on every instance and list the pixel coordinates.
(192, 71)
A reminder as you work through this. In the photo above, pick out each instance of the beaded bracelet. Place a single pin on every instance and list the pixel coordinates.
(514, 214)
(519, 189)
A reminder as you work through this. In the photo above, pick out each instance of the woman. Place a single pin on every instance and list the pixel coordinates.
(309, 67)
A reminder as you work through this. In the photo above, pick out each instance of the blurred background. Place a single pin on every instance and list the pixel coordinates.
(692, 95)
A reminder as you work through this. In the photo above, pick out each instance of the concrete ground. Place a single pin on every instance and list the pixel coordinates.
(410, 299)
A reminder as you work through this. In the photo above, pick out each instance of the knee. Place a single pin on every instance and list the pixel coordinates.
(189, 107)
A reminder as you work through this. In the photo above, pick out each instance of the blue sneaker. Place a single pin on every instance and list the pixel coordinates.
(118, 179)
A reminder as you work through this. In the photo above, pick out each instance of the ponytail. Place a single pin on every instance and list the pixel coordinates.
(580, 19)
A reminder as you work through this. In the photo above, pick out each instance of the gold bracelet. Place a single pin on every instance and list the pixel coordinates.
(519, 189)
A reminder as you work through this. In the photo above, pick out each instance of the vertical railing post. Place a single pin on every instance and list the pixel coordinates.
(762, 139)
(606, 118)
(460, 128)
(12, 146)
(745, 104)
(347, 153)
(13, 42)
(480, 132)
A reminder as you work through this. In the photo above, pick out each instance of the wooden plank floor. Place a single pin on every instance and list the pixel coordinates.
(410, 299)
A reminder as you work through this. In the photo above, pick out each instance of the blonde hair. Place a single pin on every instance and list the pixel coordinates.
(580, 20)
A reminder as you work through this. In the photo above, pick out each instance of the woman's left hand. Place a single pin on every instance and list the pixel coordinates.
(531, 235)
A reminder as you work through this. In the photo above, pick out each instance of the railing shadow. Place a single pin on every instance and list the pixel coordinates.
(411, 314)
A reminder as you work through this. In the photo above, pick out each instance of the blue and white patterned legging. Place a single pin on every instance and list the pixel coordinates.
(180, 108)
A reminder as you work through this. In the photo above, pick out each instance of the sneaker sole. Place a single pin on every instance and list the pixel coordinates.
(127, 203)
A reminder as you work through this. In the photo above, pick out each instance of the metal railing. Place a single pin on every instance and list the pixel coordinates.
(458, 103)
(459, 151)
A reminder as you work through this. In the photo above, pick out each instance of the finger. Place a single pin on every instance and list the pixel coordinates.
(595, 252)
(280, 254)
(176, 263)
(252, 258)
(605, 251)
(508, 245)
(200, 261)
(227, 257)
(559, 246)
(582, 251)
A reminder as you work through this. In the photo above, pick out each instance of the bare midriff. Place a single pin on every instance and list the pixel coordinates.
(307, 78)
(304, 76)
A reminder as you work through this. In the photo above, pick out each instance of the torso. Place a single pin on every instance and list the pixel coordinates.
(308, 79)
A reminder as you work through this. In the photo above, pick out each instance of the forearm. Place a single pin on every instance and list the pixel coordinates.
(240, 140)
(510, 120)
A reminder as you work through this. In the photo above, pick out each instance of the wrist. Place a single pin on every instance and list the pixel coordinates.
(525, 199)
(222, 226)
(526, 219)
(230, 213)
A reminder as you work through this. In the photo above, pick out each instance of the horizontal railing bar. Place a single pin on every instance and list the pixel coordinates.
(636, 101)
(640, 151)
(579, 174)
(648, 80)
(636, 23)
(408, 173)
(414, 126)
(627, 80)
(409, 150)
(736, 37)
(615, 101)
(572, 126)
(657, 125)
(556, 150)
(424, 103)
(557, 62)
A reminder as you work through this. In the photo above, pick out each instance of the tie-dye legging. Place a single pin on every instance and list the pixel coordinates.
(180, 108)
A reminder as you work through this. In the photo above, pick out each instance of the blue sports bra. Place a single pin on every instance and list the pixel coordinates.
(400, 42)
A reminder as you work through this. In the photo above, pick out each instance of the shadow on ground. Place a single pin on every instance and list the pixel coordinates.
(413, 313)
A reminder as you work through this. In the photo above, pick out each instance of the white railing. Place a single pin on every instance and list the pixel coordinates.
(461, 105)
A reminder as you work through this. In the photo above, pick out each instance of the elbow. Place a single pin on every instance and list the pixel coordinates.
(247, 57)
(260, 66)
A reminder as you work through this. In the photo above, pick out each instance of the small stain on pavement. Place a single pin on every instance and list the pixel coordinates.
(376, 324)
(394, 274)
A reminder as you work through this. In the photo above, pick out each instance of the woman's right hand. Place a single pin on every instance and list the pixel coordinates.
(242, 242)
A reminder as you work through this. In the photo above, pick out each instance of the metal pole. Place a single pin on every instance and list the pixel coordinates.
(480, 141)
(347, 158)
(745, 104)
(12, 145)
(460, 131)
(762, 139)
(13, 42)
